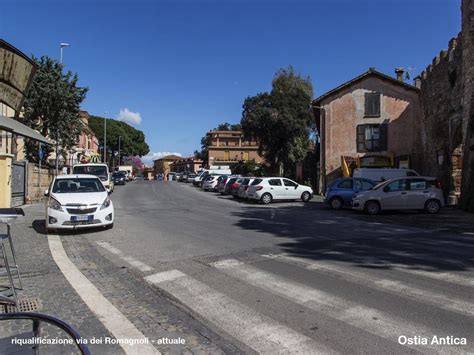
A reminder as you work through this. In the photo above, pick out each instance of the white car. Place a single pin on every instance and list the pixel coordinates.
(96, 169)
(276, 188)
(410, 193)
(210, 183)
(78, 201)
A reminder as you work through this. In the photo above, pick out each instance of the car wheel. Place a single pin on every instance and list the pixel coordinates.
(432, 206)
(305, 196)
(266, 198)
(336, 203)
(372, 207)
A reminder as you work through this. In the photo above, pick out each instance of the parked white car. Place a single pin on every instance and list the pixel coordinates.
(78, 201)
(210, 183)
(276, 188)
(411, 193)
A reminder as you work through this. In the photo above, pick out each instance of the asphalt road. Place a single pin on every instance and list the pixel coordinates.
(295, 277)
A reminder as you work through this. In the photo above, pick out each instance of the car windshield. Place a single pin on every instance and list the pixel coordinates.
(118, 174)
(97, 170)
(77, 185)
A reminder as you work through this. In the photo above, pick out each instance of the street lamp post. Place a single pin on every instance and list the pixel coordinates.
(61, 46)
(120, 160)
(105, 137)
(322, 148)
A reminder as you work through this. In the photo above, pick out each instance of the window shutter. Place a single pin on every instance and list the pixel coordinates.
(361, 138)
(383, 136)
(372, 104)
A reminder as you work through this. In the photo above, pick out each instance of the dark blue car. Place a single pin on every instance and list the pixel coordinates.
(340, 192)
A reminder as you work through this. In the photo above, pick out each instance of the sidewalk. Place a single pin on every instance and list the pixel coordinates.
(153, 314)
(45, 285)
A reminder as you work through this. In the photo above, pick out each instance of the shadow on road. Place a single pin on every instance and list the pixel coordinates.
(366, 241)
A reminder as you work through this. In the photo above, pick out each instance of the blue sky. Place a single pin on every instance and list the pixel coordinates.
(187, 65)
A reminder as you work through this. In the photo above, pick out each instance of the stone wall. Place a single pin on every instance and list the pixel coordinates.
(38, 182)
(441, 101)
(448, 123)
(467, 197)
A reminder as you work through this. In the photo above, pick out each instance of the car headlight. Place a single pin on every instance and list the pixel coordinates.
(54, 204)
(106, 203)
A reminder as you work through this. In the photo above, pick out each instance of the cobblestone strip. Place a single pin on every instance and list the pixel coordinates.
(113, 319)
(152, 312)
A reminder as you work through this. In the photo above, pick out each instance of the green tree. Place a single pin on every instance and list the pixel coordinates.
(132, 140)
(281, 121)
(52, 107)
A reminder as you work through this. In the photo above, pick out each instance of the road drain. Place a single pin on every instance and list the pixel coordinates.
(24, 305)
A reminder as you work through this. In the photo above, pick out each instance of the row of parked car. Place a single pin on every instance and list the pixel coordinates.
(263, 189)
(403, 190)
(386, 189)
(402, 193)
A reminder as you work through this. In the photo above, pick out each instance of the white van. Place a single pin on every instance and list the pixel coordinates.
(99, 170)
(382, 174)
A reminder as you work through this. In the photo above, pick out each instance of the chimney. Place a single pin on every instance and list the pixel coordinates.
(399, 72)
(417, 82)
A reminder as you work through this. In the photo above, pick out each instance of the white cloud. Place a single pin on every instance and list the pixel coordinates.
(130, 117)
(148, 159)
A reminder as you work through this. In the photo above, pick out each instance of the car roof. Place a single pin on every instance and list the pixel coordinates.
(76, 176)
(91, 164)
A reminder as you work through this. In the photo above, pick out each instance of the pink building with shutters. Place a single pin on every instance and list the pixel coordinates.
(371, 120)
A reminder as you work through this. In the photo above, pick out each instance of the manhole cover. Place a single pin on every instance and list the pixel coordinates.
(25, 305)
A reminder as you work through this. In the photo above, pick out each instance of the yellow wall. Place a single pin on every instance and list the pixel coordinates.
(5, 180)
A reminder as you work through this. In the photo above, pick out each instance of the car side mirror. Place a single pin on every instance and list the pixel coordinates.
(386, 189)
(109, 192)
(46, 192)
(296, 187)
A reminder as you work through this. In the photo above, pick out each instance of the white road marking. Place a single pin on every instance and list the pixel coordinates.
(368, 319)
(137, 264)
(111, 317)
(261, 333)
(439, 300)
(450, 277)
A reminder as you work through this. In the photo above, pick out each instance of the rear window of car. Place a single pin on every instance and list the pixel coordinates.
(418, 184)
(256, 181)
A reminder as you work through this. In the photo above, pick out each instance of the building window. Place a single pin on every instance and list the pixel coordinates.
(371, 138)
(226, 155)
(372, 104)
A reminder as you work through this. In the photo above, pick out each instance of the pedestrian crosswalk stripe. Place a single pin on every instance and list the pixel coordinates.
(445, 276)
(368, 319)
(258, 332)
(400, 289)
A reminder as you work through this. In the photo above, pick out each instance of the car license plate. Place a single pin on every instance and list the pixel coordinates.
(82, 218)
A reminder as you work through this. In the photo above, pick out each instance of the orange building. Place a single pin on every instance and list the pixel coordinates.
(229, 147)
